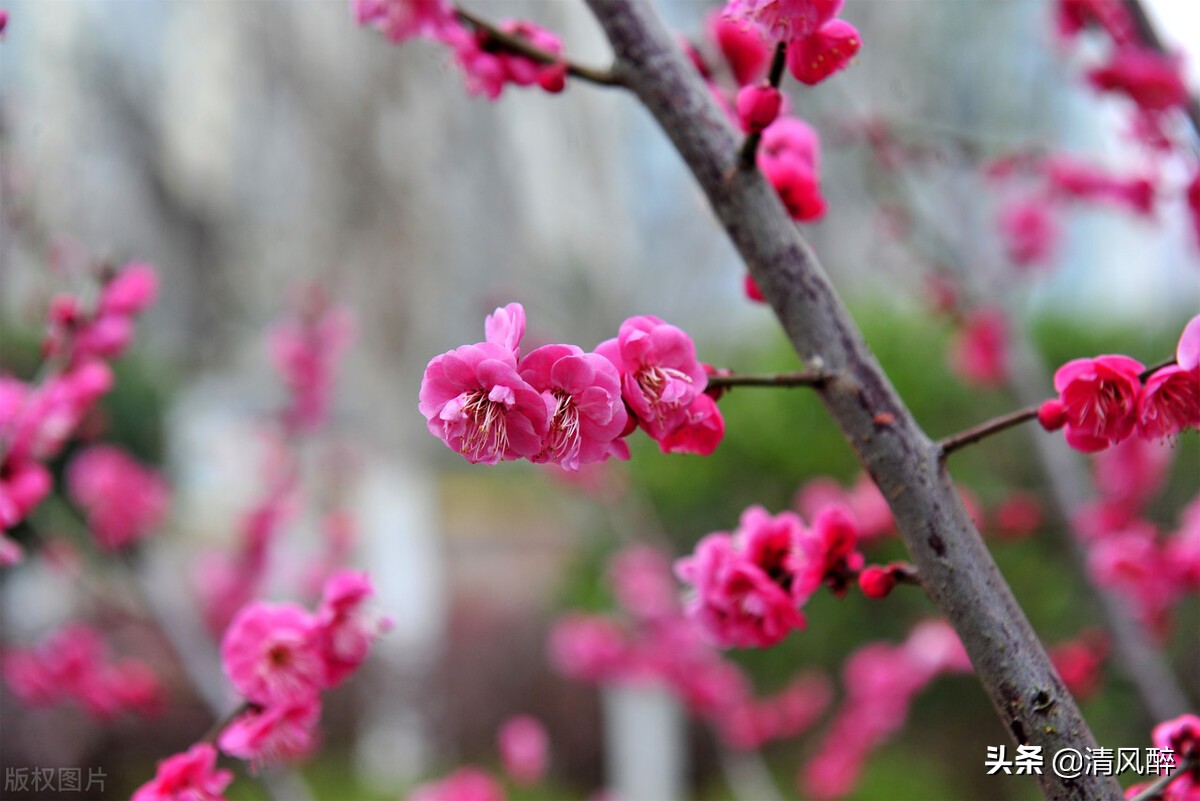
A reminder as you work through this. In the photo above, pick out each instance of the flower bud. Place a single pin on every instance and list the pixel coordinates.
(758, 106)
(1052, 415)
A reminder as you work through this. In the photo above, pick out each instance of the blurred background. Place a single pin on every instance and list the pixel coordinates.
(246, 148)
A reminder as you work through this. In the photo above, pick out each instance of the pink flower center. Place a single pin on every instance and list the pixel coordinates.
(487, 433)
(563, 440)
(655, 381)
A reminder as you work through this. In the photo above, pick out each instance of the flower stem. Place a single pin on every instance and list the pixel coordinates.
(806, 378)
(986, 429)
(520, 46)
(748, 156)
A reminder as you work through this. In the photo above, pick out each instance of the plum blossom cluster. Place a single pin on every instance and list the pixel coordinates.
(654, 641)
(558, 404)
(38, 418)
(488, 65)
(1151, 569)
(280, 658)
(75, 665)
(789, 153)
(122, 500)
(750, 584)
(1104, 400)
(1181, 737)
(881, 680)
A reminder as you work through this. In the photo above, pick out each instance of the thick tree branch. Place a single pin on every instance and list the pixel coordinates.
(955, 566)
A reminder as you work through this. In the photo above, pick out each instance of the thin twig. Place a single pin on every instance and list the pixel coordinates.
(1154, 790)
(219, 726)
(1149, 371)
(994, 426)
(748, 156)
(806, 378)
(601, 77)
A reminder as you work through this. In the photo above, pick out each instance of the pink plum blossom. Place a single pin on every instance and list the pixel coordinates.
(271, 655)
(75, 664)
(818, 44)
(1182, 736)
(700, 431)
(790, 159)
(475, 401)
(306, 349)
(1187, 352)
(465, 784)
(743, 582)
(583, 399)
(400, 20)
(488, 68)
(1080, 663)
(1029, 230)
(1099, 399)
(980, 354)
(1074, 16)
(1079, 180)
(122, 500)
(190, 776)
(826, 553)
(343, 631)
(131, 291)
(1169, 402)
(660, 376)
(273, 735)
(523, 746)
(814, 58)
(589, 647)
(744, 50)
(1152, 80)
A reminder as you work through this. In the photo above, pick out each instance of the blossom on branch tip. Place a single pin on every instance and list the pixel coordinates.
(487, 66)
(1169, 402)
(1099, 401)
